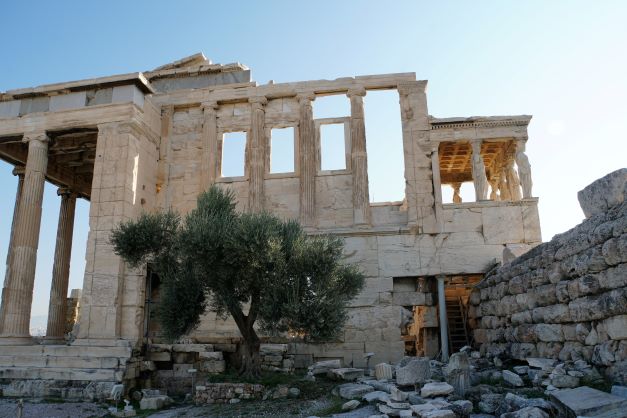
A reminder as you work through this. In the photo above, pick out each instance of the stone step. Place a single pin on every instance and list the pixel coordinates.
(61, 362)
(65, 351)
(51, 373)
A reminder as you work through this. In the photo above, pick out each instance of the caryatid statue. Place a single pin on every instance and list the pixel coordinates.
(524, 169)
(478, 172)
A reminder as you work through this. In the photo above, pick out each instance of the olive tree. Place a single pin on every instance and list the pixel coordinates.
(266, 273)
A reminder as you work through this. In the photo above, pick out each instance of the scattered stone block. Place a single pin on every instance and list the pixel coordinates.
(462, 407)
(347, 374)
(512, 379)
(383, 371)
(322, 367)
(565, 381)
(521, 370)
(584, 401)
(377, 395)
(441, 413)
(350, 405)
(541, 363)
(398, 395)
(153, 402)
(436, 389)
(417, 371)
(527, 412)
(354, 390)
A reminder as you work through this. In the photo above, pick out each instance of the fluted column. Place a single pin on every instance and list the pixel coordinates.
(478, 172)
(57, 311)
(359, 162)
(307, 160)
(210, 145)
(256, 157)
(19, 172)
(18, 286)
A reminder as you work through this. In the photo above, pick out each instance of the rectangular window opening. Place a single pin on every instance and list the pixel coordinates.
(334, 106)
(233, 154)
(282, 150)
(332, 147)
(384, 146)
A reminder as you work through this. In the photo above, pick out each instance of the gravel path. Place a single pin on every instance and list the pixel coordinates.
(8, 409)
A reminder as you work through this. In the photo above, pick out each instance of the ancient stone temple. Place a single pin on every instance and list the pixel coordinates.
(153, 140)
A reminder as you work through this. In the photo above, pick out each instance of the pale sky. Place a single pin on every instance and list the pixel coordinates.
(564, 62)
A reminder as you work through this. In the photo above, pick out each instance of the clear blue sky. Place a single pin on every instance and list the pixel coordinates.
(564, 62)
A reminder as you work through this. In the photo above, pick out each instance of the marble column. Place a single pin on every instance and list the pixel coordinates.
(210, 156)
(19, 172)
(256, 157)
(359, 162)
(478, 172)
(18, 286)
(57, 311)
(307, 160)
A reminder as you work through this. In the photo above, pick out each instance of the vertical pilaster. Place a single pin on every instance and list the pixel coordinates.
(18, 286)
(19, 172)
(210, 145)
(308, 160)
(57, 310)
(256, 157)
(478, 172)
(359, 162)
(417, 150)
(163, 166)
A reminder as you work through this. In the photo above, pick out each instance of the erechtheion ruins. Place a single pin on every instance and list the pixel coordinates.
(153, 140)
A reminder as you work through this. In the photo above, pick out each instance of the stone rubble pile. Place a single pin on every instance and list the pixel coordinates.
(472, 386)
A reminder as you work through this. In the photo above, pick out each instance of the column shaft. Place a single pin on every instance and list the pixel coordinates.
(256, 154)
(308, 161)
(19, 172)
(57, 310)
(359, 162)
(18, 288)
(210, 145)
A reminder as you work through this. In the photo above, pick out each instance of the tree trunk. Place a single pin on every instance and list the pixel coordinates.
(249, 353)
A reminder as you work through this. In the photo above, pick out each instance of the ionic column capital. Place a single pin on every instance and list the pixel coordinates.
(357, 91)
(35, 136)
(305, 98)
(66, 192)
(19, 170)
(258, 101)
(209, 106)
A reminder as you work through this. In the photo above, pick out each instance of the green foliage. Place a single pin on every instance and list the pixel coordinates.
(220, 259)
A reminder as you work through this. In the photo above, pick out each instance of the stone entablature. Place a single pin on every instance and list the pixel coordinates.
(162, 142)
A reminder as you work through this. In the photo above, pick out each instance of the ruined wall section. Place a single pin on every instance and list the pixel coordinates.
(565, 299)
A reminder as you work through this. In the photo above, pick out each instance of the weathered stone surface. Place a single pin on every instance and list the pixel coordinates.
(512, 379)
(415, 372)
(354, 390)
(584, 401)
(603, 193)
(350, 405)
(527, 412)
(347, 374)
(457, 373)
(383, 371)
(436, 389)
